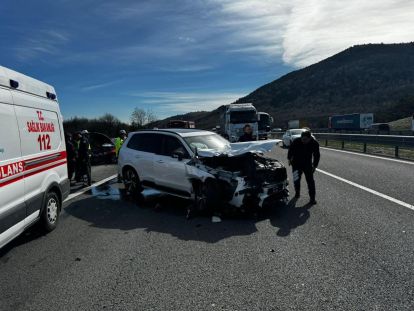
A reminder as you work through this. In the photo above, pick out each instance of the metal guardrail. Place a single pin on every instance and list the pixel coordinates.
(388, 140)
(366, 132)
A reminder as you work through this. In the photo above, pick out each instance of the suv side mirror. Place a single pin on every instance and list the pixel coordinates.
(178, 154)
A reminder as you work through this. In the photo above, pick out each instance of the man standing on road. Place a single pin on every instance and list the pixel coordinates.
(119, 141)
(304, 157)
(71, 156)
(248, 134)
(84, 158)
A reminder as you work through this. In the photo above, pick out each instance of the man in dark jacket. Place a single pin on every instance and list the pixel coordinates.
(70, 155)
(248, 134)
(304, 157)
(83, 161)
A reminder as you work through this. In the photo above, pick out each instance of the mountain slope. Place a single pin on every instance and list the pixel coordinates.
(376, 78)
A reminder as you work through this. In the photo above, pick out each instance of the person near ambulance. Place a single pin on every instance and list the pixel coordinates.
(119, 141)
(70, 155)
(76, 141)
(304, 157)
(83, 163)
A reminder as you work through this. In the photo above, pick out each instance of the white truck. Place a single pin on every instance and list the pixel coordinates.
(297, 124)
(265, 121)
(235, 117)
(412, 123)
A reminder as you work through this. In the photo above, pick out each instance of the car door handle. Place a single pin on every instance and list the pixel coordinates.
(160, 161)
(137, 157)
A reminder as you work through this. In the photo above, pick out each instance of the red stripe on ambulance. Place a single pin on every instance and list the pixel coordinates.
(11, 169)
(17, 168)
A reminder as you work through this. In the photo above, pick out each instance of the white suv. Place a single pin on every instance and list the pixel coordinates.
(202, 166)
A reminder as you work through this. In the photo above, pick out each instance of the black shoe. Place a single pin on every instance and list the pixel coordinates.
(312, 202)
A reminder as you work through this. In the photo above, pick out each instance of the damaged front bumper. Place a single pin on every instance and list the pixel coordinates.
(245, 181)
(265, 196)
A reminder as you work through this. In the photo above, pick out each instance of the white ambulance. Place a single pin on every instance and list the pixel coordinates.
(33, 172)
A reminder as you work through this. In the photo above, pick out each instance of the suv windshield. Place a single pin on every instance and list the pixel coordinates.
(212, 141)
(296, 132)
(245, 116)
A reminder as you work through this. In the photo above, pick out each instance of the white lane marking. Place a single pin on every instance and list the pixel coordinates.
(384, 196)
(83, 190)
(370, 156)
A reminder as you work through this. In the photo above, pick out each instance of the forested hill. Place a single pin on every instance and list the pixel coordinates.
(376, 78)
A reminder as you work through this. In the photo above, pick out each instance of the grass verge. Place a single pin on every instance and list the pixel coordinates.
(381, 150)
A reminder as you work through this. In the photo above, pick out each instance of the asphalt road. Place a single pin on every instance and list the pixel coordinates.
(352, 251)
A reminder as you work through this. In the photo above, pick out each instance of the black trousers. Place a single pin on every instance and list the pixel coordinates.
(297, 176)
(71, 168)
(83, 167)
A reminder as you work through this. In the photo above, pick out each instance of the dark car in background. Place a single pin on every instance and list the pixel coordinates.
(181, 124)
(103, 149)
(379, 128)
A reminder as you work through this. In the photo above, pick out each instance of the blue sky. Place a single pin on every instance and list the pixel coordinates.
(179, 56)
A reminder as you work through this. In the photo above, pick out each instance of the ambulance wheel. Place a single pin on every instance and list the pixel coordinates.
(50, 212)
(132, 182)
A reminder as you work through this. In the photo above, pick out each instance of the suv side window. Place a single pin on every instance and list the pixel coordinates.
(145, 142)
(172, 144)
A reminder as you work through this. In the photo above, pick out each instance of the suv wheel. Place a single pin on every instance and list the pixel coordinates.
(132, 182)
(50, 212)
(207, 196)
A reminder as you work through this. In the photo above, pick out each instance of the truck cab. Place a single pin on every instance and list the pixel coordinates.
(235, 117)
(265, 120)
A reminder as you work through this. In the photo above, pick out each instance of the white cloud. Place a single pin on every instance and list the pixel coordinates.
(41, 42)
(306, 31)
(172, 103)
(99, 85)
(317, 29)
(201, 34)
(256, 26)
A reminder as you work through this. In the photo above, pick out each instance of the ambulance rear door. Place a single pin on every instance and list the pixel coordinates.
(42, 147)
(12, 204)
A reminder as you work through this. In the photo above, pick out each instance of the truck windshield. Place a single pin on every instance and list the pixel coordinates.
(264, 121)
(246, 116)
(212, 141)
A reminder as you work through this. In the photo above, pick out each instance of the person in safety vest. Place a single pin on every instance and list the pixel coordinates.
(119, 141)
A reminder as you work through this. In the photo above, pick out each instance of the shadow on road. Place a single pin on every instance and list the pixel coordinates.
(290, 217)
(29, 235)
(110, 208)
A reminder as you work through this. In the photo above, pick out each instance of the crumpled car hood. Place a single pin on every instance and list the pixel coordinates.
(236, 149)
